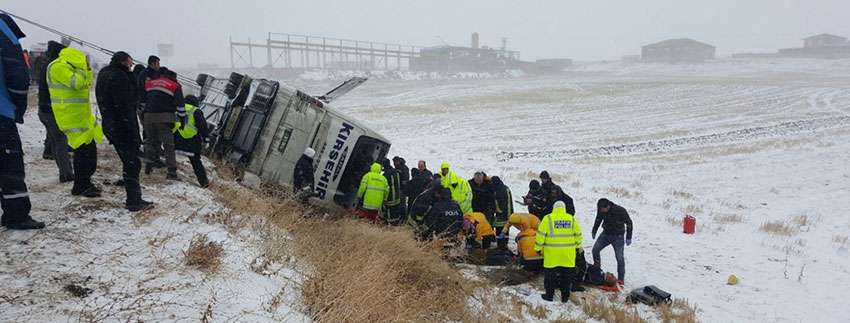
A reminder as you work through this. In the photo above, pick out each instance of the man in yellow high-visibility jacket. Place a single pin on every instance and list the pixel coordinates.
(69, 79)
(559, 237)
(373, 192)
(460, 189)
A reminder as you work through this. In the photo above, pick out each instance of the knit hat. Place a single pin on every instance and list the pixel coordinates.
(559, 205)
(309, 152)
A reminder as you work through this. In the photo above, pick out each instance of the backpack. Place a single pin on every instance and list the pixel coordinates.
(649, 295)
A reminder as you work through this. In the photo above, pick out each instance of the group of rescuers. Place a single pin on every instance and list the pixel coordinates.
(125, 94)
(480, 211)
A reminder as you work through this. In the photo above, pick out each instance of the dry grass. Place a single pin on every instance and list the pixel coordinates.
(203, 254)
(801, 220)
(728, 218)
(620, 192)
(603, 309)
(692, 209)
(680, 311)
(779, 228)
(354, 271)
(674, 221)
(682, 194)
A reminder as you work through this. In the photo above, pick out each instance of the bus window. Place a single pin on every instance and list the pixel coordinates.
(367, 151)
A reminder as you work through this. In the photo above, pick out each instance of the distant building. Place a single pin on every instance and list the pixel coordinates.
(452, 59)
(824, 40)
(820, 46)
(682, 50)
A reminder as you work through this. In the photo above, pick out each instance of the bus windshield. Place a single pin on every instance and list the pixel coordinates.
(367, 151)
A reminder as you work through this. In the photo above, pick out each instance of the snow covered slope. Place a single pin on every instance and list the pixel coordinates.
(96, 261)
(738, 144)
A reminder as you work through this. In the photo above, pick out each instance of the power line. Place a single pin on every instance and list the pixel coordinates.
(188, 80)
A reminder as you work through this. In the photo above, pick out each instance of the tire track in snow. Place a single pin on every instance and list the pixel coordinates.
(666, 145)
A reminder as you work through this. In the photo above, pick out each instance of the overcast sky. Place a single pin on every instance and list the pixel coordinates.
(583, 30)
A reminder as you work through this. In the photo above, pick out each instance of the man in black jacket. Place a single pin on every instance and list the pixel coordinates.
(444, 219)
(422, 203)
(164, 96)
(396, 206)
(482, 196)
(57, 142)
(615, 223)
(420, 179)
(303, 176)
(535, 200)
(403, 172)
(14, 197)
(503, 204)
(557, 194)
(117, 100)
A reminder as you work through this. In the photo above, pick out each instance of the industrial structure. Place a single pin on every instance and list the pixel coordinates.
(290, 51)
(681, 50)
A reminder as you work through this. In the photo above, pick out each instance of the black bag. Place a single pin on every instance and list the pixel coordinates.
(649, 295)
(594, 275)
(581, 267)
(499, 257)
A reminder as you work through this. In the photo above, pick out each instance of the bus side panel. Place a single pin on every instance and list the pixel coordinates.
(266, 147)
(341, 136)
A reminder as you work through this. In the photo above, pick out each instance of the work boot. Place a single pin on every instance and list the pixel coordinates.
(148, 168)
(203, 181)
(577, 289)
(141, 205)
(621, 283)
(26, 225)
(172, 174)
(91, 191)
(548, 297)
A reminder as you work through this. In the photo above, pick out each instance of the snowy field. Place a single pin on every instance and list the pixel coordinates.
(737, 144)
(97, 262)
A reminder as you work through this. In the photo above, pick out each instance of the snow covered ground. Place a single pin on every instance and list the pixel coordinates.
(132, 265)
(735, 143)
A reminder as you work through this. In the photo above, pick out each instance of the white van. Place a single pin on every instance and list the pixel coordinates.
(264, 127)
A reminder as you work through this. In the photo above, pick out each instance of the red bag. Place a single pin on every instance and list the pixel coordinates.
(689, 224)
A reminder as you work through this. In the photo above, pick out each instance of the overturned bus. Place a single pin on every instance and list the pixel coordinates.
(264, 127)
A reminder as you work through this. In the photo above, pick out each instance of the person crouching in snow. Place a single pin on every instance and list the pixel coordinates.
(190, 132)
(478, 231)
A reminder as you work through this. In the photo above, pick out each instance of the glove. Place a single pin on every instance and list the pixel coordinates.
(628, 242)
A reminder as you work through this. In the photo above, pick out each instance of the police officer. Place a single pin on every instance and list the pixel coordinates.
(190, 131)
(14, 85)
(69, 78)
(559, 237)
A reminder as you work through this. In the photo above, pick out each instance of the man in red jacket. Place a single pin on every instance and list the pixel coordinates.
(164, 98)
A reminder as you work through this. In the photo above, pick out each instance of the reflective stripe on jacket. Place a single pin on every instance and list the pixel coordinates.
(373, 189)
(558, 236)
(69, 80)
(191, 129)
(525, 242)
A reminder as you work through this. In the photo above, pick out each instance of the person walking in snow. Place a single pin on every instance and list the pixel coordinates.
(190, 132)
(616, 231)
(14, 84)
(56, 142)
(117, 100)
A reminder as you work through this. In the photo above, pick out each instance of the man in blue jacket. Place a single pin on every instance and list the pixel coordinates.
(14, 85)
